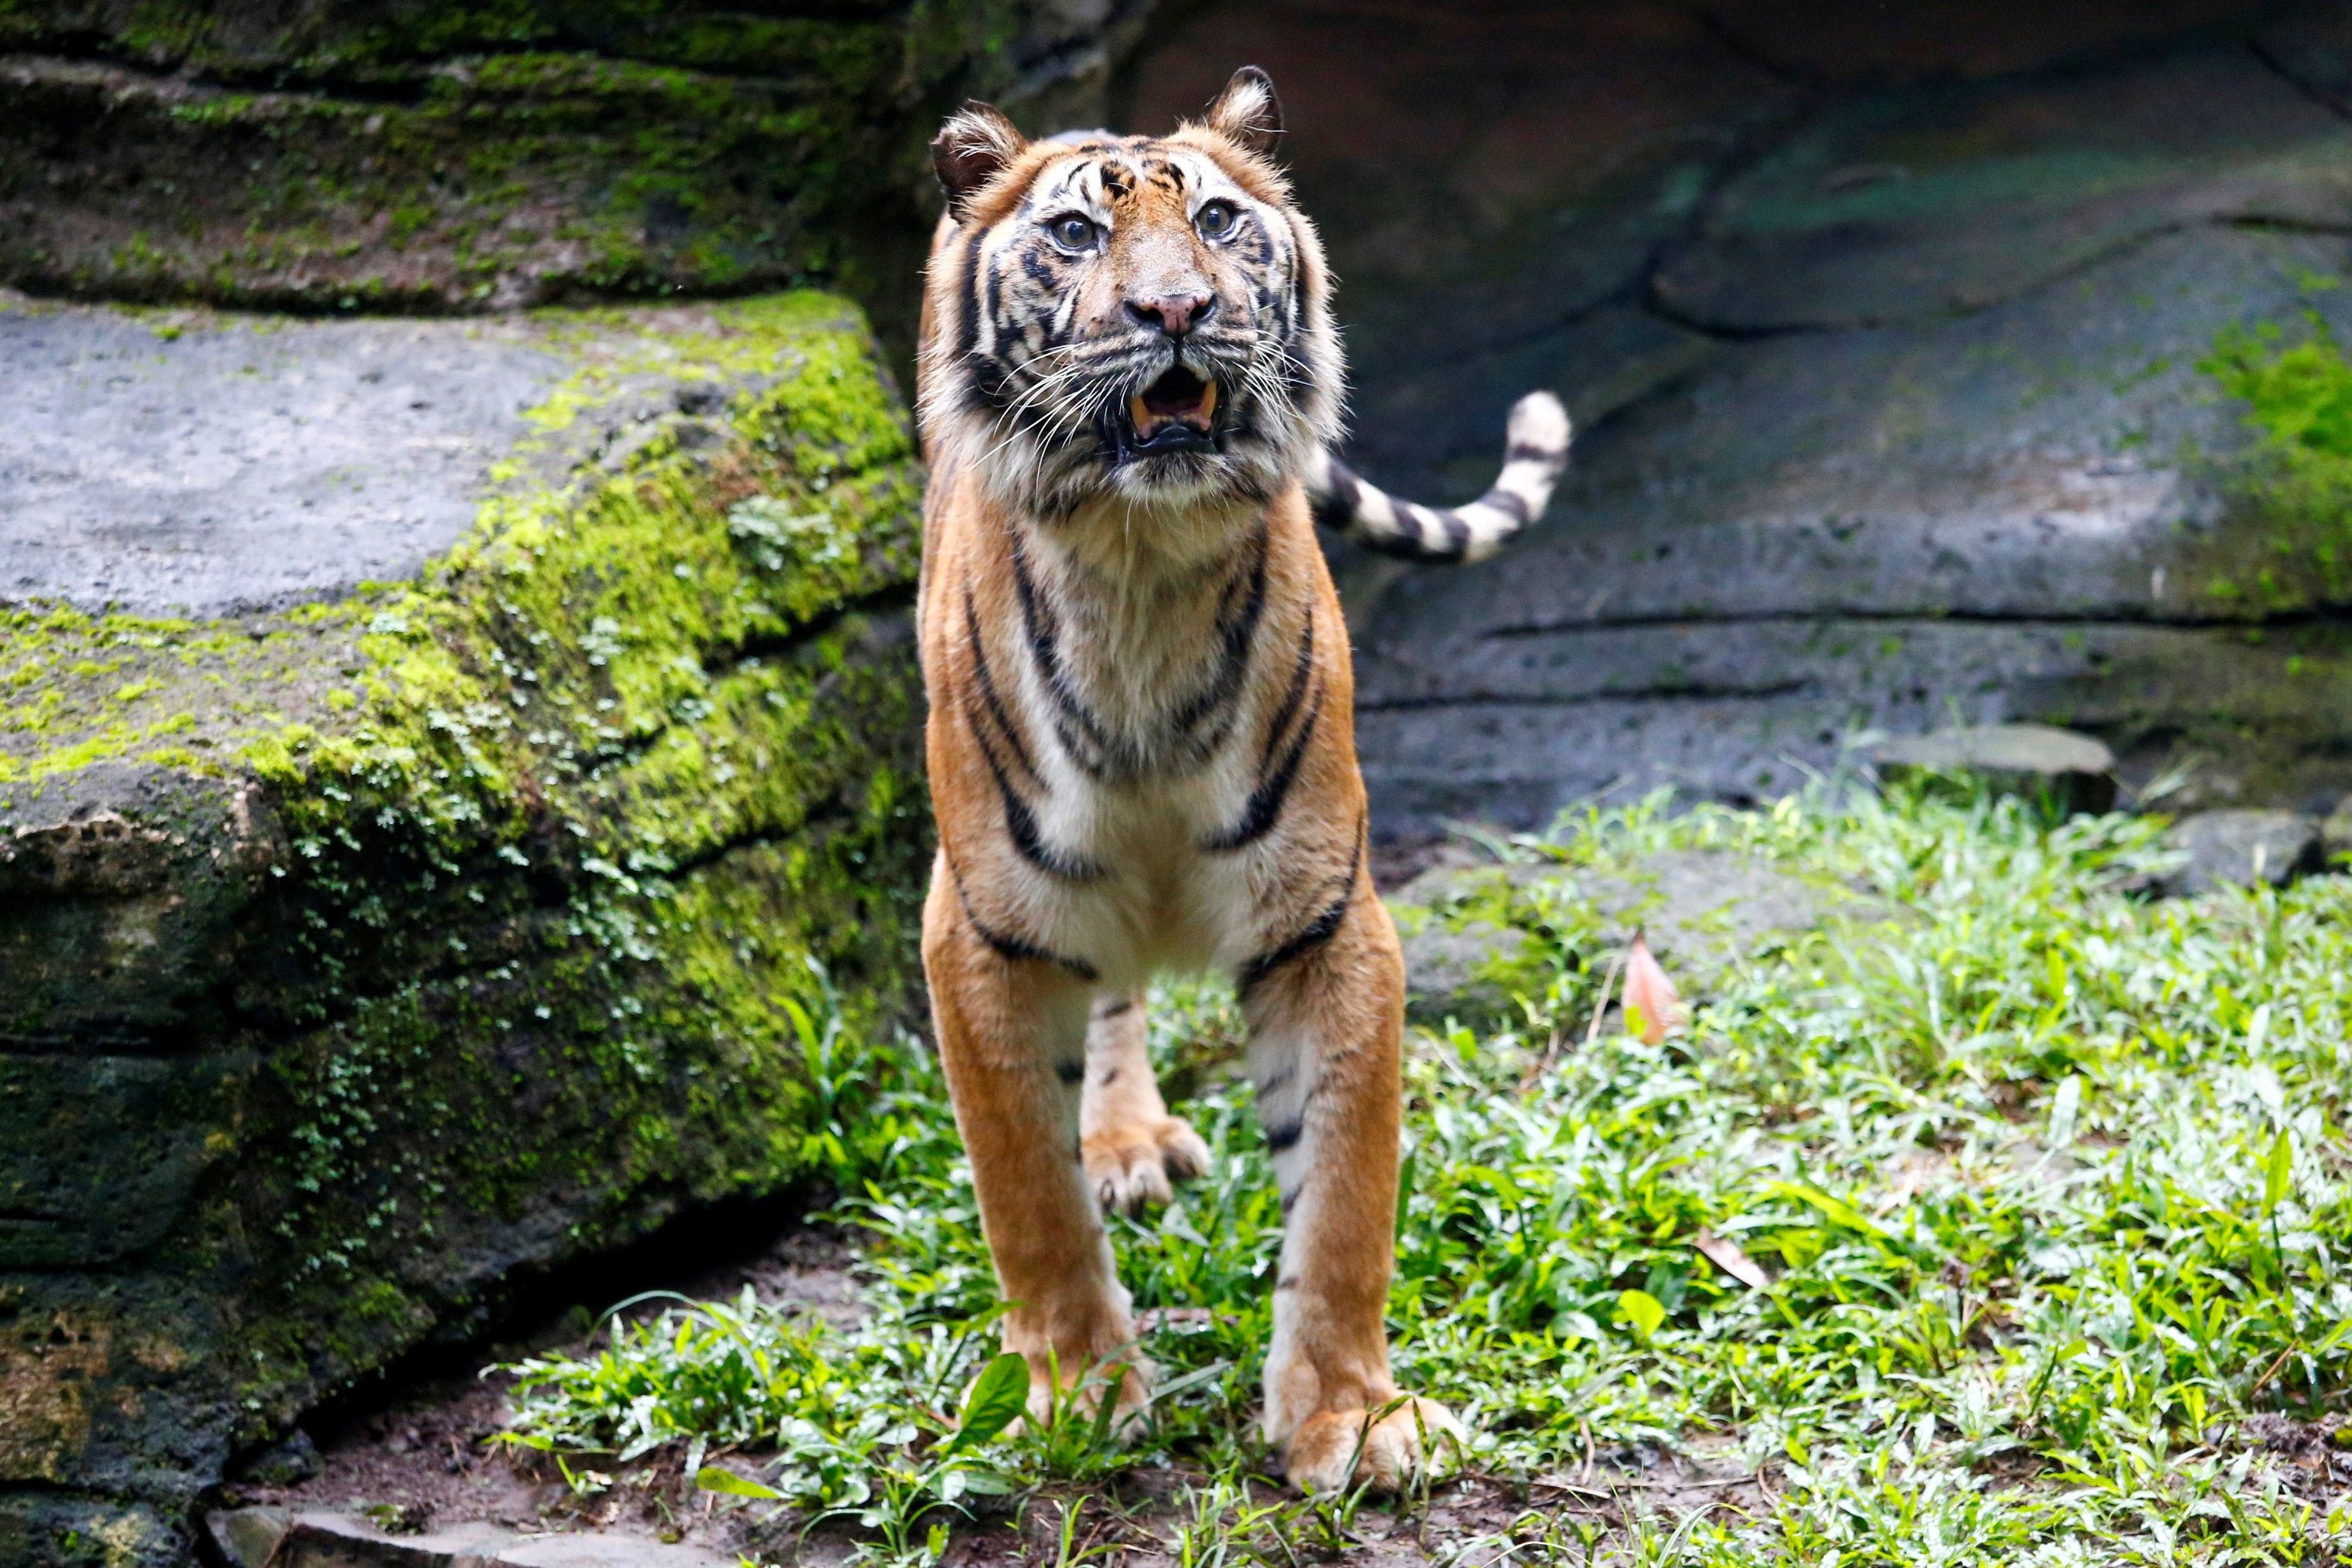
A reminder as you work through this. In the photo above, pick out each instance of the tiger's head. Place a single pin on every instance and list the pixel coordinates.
(1136, 321)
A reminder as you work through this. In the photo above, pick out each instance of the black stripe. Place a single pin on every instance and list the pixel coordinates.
(993, 302)
(1318, 931)
(1240, 638)
(1264, 807)
(1284, 1137)
(1011, 948)
(1290, 1200)
(988, 693)
(1070, 1072)
(1521, 451)
(983, 390)
(1120, 1009)
(1335, 508)
(969, 343)
(1403, 545)
(1508, 502)
(1295, 692)
(1087, 745)
(1021, 823)
(1457, 531)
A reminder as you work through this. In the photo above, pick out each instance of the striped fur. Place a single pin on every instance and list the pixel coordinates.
(1534, 452)
(1140, 742)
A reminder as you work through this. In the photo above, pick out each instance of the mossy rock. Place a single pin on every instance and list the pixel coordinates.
(366, 944)
(442, 155)
(1481, 942)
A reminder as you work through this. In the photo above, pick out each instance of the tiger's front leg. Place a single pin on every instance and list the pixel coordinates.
(1326, 1031)
(1012, 1036)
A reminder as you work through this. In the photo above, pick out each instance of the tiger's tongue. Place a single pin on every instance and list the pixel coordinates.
(1175, 398)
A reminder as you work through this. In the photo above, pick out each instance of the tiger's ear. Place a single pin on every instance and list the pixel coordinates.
(971, 149)
(1248, 113)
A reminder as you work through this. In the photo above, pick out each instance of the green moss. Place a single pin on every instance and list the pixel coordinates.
(2297, 485)
(559, 829)
(464, 155)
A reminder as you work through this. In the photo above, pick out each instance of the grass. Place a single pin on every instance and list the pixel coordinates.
(2050, 1181)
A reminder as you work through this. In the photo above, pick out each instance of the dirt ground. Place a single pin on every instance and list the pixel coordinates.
(429, 1459)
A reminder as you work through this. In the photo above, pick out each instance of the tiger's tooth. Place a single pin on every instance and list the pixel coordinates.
(1143, 417)
(1208, 402)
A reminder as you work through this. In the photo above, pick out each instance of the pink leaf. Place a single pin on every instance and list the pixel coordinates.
(1650, 995)
(1728, 1257)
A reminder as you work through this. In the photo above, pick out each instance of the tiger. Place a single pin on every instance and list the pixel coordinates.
(1139, 738)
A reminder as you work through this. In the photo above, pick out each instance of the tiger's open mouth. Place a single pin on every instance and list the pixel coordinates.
(1175, 413)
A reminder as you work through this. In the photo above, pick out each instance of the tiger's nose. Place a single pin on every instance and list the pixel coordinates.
(1172, 314)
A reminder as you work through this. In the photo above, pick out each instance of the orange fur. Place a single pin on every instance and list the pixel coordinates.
(1140, 747)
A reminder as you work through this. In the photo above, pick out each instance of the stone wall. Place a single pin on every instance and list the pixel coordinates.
(1903, 343)
(437, 759)
(440, 155)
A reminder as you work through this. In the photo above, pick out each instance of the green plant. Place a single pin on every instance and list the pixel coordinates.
(2007, 1167)
(908, 1487)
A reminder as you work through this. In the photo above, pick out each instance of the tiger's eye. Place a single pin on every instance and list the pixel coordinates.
(1072, 232)
(1216, 219)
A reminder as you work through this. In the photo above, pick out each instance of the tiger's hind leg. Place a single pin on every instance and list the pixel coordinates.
(1326, 1027)
(1134, 1149)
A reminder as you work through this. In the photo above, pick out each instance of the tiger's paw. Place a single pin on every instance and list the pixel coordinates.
(1384, 1447)
(1132, 1167)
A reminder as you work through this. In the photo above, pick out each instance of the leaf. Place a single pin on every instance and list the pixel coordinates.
(1643, 1311)
(2065, 1108)
(2278, 1173)
(1727, 1256)
(803, 1025)
(1836, 1210)
(1107, 1404)
(983, 1482)
(710, 1478)
(1579, 1325)
(1653, 1006)
(997, 1399)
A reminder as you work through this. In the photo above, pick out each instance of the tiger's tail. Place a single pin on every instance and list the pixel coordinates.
(1535, 454)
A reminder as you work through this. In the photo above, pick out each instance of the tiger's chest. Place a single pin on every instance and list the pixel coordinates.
(1148, 733)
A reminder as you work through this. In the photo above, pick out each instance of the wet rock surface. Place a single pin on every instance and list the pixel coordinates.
(457, 158)
(394, 890)
(2035, 760)
(191, 461)
(1477, 936)
(2241, 847)
(1883, 332)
